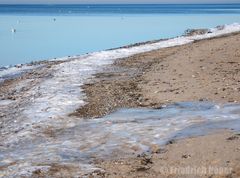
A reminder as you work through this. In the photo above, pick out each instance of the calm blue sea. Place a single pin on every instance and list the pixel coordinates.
(52, 31)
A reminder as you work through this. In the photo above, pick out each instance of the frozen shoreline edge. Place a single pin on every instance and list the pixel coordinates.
(12, 71)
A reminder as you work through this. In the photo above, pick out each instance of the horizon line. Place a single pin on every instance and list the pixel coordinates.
(115, 3)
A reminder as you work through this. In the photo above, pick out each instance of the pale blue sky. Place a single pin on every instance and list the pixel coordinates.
(113, 1)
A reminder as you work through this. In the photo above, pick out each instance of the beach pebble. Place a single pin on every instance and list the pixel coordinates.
(186, 156)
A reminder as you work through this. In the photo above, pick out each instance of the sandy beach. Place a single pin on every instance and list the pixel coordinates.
(206, 70)
(215, 155)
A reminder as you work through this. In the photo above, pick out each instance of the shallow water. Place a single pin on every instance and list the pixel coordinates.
(124, 133)
(39, 37)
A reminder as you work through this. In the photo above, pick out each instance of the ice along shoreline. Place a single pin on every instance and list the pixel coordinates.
(14, 70)
(64, 87)
(41, 114)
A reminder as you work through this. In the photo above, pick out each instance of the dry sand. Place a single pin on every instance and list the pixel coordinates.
(212, 156)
